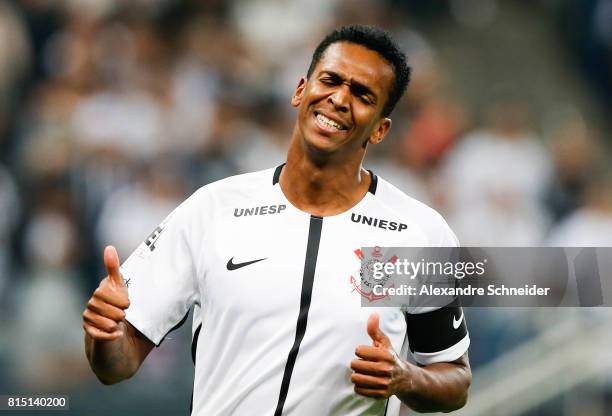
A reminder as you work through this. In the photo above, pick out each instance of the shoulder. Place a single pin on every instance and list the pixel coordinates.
(237, 187)
(205, 202)
(242, 182)
(414, 211)
(406, 205)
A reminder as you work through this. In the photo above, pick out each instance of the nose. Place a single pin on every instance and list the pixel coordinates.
(339, 98)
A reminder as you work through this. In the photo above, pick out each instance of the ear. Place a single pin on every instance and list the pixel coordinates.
(379, 133)
(296, 100)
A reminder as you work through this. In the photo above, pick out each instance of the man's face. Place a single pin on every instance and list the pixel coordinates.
(341, 103)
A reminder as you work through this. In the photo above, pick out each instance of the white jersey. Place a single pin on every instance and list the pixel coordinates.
(278, 310)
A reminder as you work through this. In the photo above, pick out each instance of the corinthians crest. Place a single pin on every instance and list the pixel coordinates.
(364, 286)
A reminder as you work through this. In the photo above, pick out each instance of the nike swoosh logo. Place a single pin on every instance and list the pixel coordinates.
(233, 266)
(457, 322)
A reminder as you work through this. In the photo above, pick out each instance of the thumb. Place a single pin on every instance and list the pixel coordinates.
(378, 337)
(111, 262)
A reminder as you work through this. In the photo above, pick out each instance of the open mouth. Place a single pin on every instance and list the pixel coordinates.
(327, 123)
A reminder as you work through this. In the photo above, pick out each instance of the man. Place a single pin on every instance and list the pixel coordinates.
(266, 259)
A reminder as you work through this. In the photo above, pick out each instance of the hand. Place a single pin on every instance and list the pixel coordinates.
(106, 308)
(379, 370)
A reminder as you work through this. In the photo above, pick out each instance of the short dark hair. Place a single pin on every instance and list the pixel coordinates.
(379, 41)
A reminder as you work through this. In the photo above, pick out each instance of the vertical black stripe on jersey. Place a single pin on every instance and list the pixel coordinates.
(194, 347)
(312, 250)
(194, 343)
(373, 183)
(277, 173)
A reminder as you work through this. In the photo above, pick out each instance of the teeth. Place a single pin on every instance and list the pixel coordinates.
(328, 122)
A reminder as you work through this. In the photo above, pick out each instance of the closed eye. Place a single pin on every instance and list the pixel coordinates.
(363, 93)
(330, 80)
(366, 99)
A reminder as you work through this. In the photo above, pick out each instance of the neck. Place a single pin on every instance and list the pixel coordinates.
(321, 184)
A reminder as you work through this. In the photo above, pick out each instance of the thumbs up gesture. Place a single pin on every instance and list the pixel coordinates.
(105, 310)
(378, 370)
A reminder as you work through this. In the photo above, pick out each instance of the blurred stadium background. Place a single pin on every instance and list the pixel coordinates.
(112, 112)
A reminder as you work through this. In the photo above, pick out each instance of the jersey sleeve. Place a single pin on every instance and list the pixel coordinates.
(438, 335)
(160, 276)
(445, 236)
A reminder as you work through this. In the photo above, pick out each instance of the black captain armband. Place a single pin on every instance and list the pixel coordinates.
(436, 331)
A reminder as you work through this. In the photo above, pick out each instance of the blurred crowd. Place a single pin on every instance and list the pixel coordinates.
(112, 112)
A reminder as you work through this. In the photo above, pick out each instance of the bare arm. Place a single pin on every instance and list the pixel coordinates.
(114, 361)
(114, 348)
(380, 373)
(436, 387)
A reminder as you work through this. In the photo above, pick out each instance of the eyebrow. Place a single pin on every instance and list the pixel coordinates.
(356, 86)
